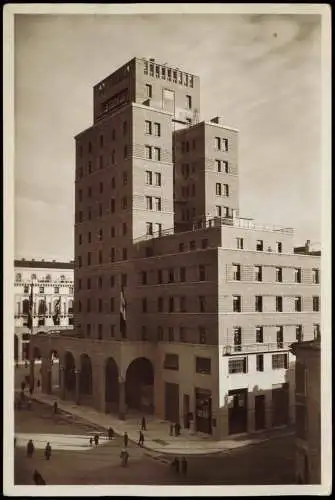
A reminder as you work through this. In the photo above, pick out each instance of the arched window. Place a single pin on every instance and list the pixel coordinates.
(48, 277)
(62, 278)
(18, 277)
(33, 276)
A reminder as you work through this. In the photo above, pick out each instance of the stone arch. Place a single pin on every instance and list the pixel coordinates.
(69, 372)
(86, 375)
(111, 385)
(140, 385)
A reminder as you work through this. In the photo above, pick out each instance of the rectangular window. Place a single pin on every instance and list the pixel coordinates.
(202, 273)
(218, 211)
(259, 335)
(148, 202)
(148, 177)
(160, 304)
(315, 276)
(260, 362)
(182, 335)
(316, 331)
(218, 165)
(202, 335)
(258, 273)
(124, 254)
(181, 247)
(236, 272)
(224, 144)
(183, 274)
(124, 228)
(148, 127)
(144, 333)
(203, 365)
(217, 143)
(124, 178)
(158, 204)
(112, 331)
(157, 129)
(188, 102)
(279, 246)
(225, 190)
(112, 254)
(297, 304)
(88, 330)
(237, 303)
(160, 276)
(171, 276)
(192, 245)
(298, 333)
(297, 275)
(280, 337)
(158, 229)
(143, 277)
(202, 304)
(182, 304)
(144, 305)
(316, 303)
(160, 333)
(89, 258)
(170, 334)
(237, 365)
(204, 243)
(112, 205)
(279, 274)
(158, 179)
(218, 189)
(225, 167)
(171, 304)
(258, 303)
(148, 152)
(279, 304)
(279, 361)
(237, 338)
(148, 89)
(171, 361)
(259, 245)
(239, 243)
(112, 281)
(157, 154)
(112, 304)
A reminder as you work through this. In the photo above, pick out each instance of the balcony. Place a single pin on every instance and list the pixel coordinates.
(231, 350)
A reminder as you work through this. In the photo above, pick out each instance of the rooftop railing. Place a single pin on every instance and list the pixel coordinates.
(217, 222)
(256, 348)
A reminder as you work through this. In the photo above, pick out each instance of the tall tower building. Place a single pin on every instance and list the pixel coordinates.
(209, 301)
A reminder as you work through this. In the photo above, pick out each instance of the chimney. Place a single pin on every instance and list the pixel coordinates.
(307, 245)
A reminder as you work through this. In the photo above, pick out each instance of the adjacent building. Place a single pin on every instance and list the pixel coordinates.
(210, 301)
(52, 306)
(308, 411)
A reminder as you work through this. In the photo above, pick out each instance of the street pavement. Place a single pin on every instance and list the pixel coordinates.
(270, 462)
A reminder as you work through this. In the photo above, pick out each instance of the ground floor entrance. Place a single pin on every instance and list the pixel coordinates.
(260, 412)
(203, 411)
(238, 411)
(171, 402)
(280, 404)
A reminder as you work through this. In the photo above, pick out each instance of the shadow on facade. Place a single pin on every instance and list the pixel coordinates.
(140, 385)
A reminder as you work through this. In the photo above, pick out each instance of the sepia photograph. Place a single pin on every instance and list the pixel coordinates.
(167, 249)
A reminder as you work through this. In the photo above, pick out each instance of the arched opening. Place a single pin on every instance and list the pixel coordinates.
(55, 376)
(69, 372)
(16, 347)
(112, 385)
(140, 385)
(37, 354)
(25, 306)
(85, 375)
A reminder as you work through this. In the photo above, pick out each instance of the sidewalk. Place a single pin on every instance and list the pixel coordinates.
(157, 437)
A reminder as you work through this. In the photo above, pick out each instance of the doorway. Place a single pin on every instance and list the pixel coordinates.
(172, 402)
(238, 411)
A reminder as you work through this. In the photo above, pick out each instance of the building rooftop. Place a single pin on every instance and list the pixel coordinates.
(44, 264)
(307, 249)
(314, 345)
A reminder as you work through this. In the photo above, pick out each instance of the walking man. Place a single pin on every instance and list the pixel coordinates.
(30, 448)
(96, 439)
(55, 407)
(91, 441)
(125, 439)
(47, 451)
(143, 424)
(141, 439)
(38, 384)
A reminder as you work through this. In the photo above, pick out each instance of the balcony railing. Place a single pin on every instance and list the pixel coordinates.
(230, 350)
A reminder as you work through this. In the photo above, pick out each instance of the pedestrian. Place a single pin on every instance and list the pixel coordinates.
(110, 433)
(91, 441)
(177, 429)
(30, 448)
(38, 479)
(141, 439)
(38, 384)
(125, 439)
(124, 455)
(31, 390)
(47, 451)
(55, 407)
(143, 424)
(176, 465)
(184, 466)
(96, 439)
(25, 364)
(171, 429)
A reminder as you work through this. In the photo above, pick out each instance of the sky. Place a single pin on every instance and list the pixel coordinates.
(261, 73)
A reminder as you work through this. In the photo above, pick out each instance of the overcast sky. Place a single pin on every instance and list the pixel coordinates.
(260, 72)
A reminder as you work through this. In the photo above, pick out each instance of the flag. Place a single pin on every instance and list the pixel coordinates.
(56, 315)
(29, 322)
(123, 307)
